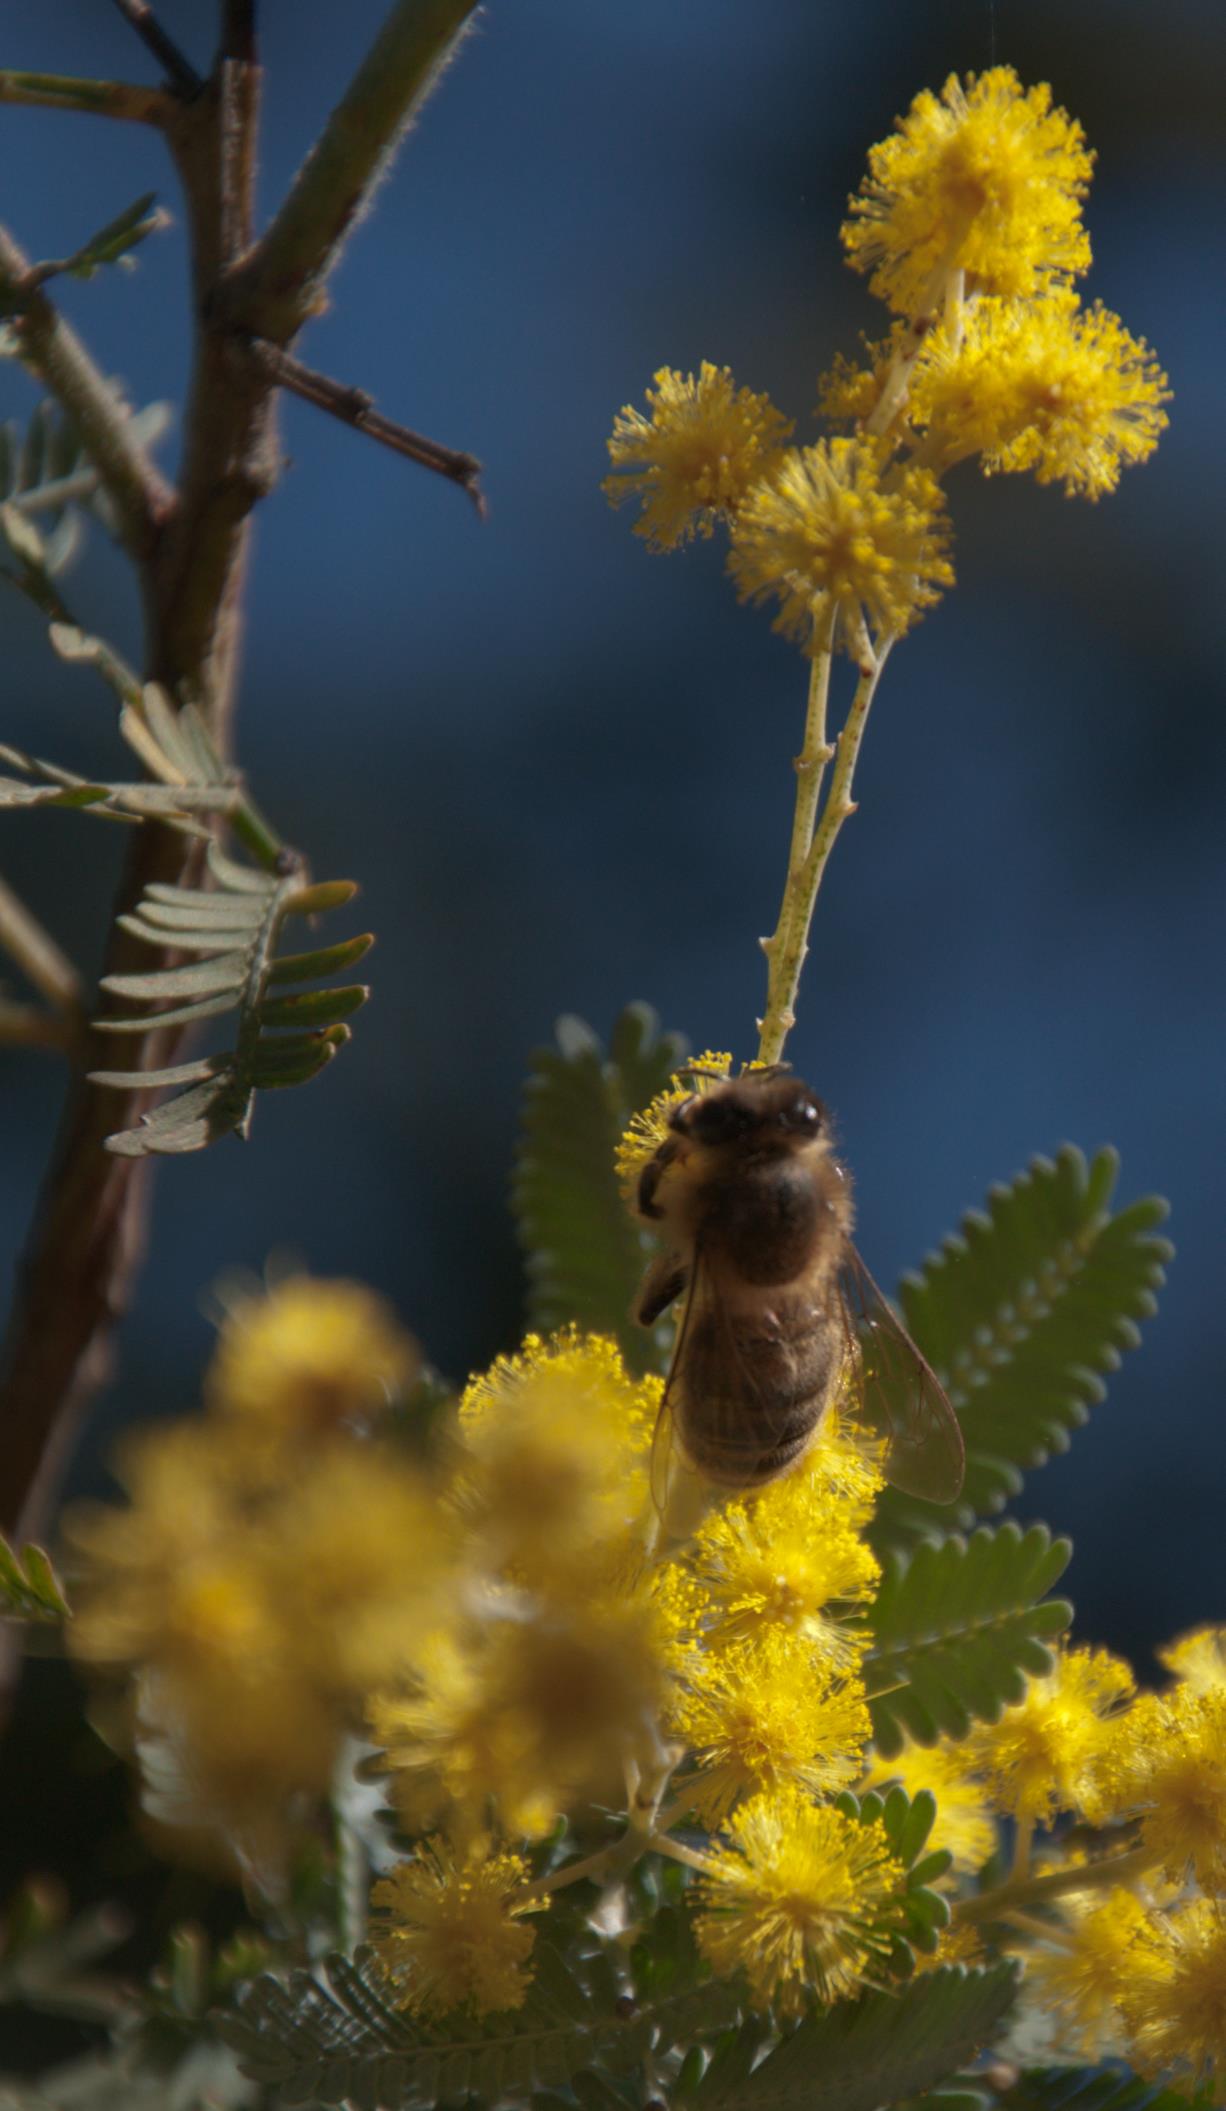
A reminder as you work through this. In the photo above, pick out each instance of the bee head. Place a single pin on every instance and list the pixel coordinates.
(761, 1107)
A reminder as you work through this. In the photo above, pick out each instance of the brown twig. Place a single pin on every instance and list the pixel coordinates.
(277, 288)
(174, 63)
(354, 407)
(62, 91)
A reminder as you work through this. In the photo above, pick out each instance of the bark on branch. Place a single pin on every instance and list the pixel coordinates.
(80, 1264)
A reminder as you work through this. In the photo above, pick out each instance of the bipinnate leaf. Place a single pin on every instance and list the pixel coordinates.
(862, 2055)
(1098, 2089)
(232, 932)
(29, 1586)
(334, 2037)
(957, 1627)
(583, 1252)
(47, 481)
(1019, 1315)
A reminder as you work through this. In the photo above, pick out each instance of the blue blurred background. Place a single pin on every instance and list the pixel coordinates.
(560, 766)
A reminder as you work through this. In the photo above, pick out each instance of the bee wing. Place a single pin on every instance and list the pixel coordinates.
(902, 1397)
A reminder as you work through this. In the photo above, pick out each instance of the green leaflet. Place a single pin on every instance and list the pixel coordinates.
(232, 934)
(1019, 1315)
(907, 1822)
(861, 2055)
(956, 1629)
(29, 1586)
(584, 1254)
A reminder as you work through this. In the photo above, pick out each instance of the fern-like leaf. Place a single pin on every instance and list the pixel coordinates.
(1020, 1315)
(29, 1586)
(1098, 2089)
(233, 930)
(333, 2038)
(46, 474)
(860, 2055)
(584, 1254)
(956, 1629)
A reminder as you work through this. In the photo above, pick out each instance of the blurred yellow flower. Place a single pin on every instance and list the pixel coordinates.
(553, 1481)
(987, 179)
(1044, 1754)
(800, 1900)
(529, 1706)
(704, 445)
(1198, 1659)
(1166, 1761)
(1174, 2003)
(450, 1933)
(836, 530)
(1080, 1976)
(310, 1355)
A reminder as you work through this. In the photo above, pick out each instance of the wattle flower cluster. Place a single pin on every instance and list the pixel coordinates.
(969, 227)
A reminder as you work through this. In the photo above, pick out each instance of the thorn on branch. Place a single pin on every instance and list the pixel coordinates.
(176, 66)
(353, 406)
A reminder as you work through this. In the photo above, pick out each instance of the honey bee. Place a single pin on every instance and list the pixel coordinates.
(779, 1309)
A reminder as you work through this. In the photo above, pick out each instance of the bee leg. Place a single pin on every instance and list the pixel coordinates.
(649, 1181)
(665, 1280)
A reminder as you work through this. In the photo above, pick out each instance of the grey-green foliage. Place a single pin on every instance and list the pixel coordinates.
(861, 2055)
(583, 1252)
(956, 1629)
(233, 931)
(1019, 1316)
(47, 485)
(29, 1586)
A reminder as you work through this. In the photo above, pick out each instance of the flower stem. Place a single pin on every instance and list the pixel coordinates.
(999, 1903)
(813, 841)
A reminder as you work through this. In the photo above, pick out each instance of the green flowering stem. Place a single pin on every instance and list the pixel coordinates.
(1000, 1903)
(61, 91)
(812, 844)
(664, 1844)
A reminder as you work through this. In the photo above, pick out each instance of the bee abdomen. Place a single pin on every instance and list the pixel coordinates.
(750, 1401)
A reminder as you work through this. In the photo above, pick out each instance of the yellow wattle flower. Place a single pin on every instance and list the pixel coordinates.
(987, 179)
(1081, 1977)
(1198, 1659)
(1045, 386)
(1174, 2003)
(693, 460)
(449, 1930)
(1166, 1762)
(837, 531)
(765, 1716)
(1046, 1753)
(799, 1900)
